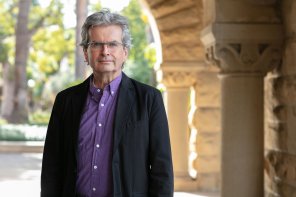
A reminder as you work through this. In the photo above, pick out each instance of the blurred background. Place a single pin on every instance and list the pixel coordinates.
(39, 56)
(233, 135)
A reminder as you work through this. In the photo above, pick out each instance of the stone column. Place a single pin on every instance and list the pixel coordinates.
(244, 54)
(177, 109)
(177, 84)
(242, 134)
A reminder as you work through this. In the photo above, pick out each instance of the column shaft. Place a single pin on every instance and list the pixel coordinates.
(177, 102)
(242, 135)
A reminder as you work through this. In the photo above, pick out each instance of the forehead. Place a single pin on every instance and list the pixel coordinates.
(105, 32)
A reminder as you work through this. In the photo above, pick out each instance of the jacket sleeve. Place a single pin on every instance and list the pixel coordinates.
(51, 172)
(161, 181)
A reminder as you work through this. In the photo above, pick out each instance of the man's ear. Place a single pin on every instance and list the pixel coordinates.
(85, 55)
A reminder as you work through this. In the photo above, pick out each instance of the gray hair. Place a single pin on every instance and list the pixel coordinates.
(102, 18)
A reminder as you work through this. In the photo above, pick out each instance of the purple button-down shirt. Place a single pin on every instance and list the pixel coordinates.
(95, 141)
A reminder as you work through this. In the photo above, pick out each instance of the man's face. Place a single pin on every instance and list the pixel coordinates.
(106, 59)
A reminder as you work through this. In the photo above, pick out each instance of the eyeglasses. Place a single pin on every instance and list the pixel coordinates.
(100, 45)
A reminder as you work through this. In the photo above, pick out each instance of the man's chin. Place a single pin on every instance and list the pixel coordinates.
(104, 69)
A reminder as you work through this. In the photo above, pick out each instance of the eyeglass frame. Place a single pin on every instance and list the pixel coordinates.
(102, 44)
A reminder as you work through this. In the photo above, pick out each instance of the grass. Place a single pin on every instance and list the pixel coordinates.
(22, 132)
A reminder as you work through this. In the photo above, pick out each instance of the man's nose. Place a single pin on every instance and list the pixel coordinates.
(105, 49)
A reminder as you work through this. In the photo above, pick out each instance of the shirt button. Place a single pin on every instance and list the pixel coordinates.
(100, 124)
(102, 104)
(98, 145)
(95, 167)
(94, 189)
(112, 92)
(98, 90)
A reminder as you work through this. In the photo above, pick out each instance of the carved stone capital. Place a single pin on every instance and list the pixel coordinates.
(243, 48)
(180, 74)
(178, 79)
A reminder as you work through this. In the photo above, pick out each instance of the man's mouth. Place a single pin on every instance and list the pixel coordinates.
(105, 61)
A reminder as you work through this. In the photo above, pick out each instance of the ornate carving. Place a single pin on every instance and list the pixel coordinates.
(236, 48)
(247, 57)
(178, 78)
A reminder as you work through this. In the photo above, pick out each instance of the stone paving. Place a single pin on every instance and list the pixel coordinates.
(20, 176)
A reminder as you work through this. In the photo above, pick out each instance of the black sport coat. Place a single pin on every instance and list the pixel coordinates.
(141, 164)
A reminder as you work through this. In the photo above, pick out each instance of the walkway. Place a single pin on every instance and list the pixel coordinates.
(20, 176)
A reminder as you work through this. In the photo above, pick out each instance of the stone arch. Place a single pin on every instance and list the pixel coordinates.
(192, 94)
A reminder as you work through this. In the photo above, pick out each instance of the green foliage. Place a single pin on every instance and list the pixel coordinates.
(4, 48)
(11, 135)
(46, 16)
(50, 46)
(39, 118)
(138, 66)
(51, 43)
(3, 121)
(9, 132)
(73, 83)
(150, 54)
(8, 12)
(95, 7)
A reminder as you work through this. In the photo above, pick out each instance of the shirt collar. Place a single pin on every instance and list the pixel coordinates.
(112, 87)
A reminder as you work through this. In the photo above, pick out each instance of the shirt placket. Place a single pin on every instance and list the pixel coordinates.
(100, 125)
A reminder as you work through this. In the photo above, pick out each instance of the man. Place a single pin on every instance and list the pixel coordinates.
(107, 136)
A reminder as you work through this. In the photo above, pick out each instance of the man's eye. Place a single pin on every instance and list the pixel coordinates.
(97, 45)
(112, 44)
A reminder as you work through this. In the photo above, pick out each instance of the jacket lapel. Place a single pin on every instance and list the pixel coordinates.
(78, 101)
(125, 101)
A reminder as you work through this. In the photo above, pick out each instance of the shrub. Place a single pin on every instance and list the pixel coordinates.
(10, 132)
(39, 118)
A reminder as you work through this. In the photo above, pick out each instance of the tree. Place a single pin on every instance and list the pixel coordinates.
(17, 80)
(14, 98)
(81, 14)
(138, 65)
(6, 31)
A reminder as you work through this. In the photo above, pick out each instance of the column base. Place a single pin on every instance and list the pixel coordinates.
(185, 183)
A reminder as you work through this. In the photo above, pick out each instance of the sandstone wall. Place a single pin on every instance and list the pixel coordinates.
(280, 125)
(179, 23)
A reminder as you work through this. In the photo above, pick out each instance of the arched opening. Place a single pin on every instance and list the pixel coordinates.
(191, 94)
